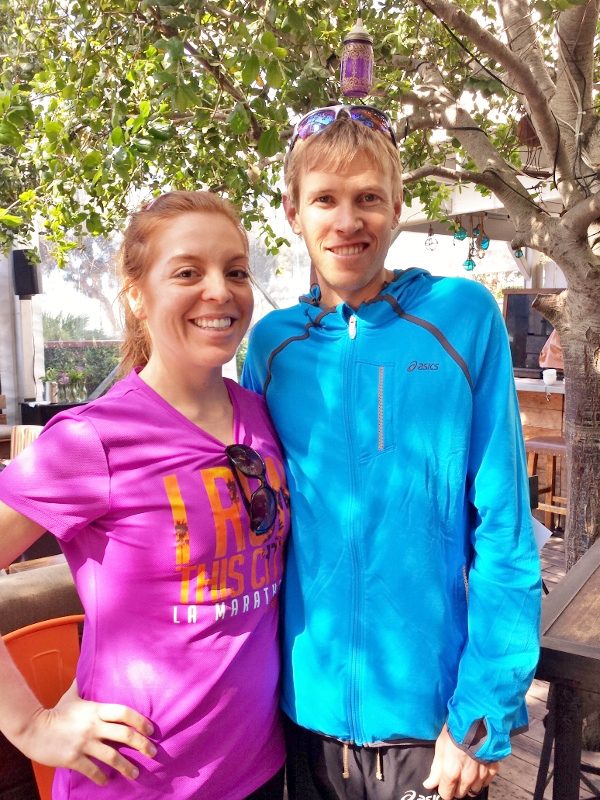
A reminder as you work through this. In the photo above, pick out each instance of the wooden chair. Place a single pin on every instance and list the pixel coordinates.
(21, 436)
(46, 653)
(553, 448)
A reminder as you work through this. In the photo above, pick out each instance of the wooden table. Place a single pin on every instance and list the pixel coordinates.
(570, 661)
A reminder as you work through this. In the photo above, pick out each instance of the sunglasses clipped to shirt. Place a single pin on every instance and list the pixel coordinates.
(262, 504)
(320, 118)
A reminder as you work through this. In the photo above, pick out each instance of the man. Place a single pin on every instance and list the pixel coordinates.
(412, 593)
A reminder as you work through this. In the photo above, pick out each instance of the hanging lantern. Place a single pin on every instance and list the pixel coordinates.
(356, 71)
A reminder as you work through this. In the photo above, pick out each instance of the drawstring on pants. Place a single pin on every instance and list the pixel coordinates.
(345, 761)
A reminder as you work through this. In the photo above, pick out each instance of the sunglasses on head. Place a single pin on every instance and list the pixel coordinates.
(262, 504)
(316, 121)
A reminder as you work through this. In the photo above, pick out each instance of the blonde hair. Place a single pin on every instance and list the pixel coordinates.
(133, 259)
(339, 144)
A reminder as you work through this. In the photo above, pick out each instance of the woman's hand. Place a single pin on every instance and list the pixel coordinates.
(75, 731)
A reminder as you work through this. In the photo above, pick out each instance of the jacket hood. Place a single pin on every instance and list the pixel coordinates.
(405, 287)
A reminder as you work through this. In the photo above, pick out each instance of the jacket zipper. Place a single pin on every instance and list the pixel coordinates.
(352, 327)
(356, 588)
(380, 438)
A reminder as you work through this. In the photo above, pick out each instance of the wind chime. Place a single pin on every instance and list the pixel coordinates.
(479, 242)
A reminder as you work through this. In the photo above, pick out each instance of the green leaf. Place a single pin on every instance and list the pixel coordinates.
(275, 76)
(143, 144)
(94, 223)
(268, 41)
(117, 136)
(53, 130)
(185, 97)
(250, 70)
(163, 131)
(269, 143)
(92, 160)
(20, 115)
(9, 134)
(239, 120)
(10, 220)
(145, 108)
(295, 20)
(174, 48)
(165, 77)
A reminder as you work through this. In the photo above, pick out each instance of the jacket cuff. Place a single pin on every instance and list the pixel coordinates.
(482, 742)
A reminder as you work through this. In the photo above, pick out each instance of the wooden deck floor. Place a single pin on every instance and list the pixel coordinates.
(518, 773)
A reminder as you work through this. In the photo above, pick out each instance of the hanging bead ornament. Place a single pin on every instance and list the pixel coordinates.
(460, 233)
(519, 253)
(478, 244)
(431, 241)
(469, 263)
(356, 69)
(483, 240)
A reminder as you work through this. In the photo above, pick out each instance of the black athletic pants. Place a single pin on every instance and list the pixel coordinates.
(315, 769)
(271, 790)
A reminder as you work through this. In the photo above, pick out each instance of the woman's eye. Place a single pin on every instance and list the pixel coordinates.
(239, 274)
(185, 272)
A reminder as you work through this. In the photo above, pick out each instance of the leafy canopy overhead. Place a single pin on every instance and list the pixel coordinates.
(101, 100)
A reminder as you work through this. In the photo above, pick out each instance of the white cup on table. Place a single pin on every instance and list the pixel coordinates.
(549, 376)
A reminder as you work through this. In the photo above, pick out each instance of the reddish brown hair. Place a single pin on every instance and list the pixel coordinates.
(133, 259)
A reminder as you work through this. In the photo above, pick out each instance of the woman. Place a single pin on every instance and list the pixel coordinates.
(168, 496)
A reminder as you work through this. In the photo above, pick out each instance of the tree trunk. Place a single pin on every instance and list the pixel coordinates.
(578, 324)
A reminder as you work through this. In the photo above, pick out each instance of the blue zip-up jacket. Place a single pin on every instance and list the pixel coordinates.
(412, 591)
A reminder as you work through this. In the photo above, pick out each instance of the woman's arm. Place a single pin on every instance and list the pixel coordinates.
(75, 730)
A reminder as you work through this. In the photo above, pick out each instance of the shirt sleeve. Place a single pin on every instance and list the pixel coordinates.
(250, 378)
(61, 480)
(504, 599)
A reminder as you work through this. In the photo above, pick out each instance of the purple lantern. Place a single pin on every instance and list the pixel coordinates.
(356, 71)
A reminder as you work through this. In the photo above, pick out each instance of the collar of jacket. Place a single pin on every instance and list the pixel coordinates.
(405, 286)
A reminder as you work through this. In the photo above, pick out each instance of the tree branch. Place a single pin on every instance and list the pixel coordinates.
(580, 217)
(572, 104)
(221, 79)
(527, 83)
(455, 175)
(521, 34)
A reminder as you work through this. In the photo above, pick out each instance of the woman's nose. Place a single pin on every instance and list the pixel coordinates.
(215, 287)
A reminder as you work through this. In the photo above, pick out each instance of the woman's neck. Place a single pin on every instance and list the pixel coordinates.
(202, 398)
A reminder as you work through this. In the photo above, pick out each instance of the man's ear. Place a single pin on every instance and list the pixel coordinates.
(397, 211)
(292, 215)
(134, 298)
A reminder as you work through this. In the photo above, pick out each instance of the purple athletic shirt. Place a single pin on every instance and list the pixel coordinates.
(180, 597)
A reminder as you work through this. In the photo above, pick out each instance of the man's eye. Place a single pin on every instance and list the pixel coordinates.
(370, 197)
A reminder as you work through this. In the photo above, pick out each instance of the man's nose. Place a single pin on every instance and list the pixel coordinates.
(349, 218)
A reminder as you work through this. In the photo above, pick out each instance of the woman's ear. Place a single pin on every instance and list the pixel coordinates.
(134, 298)
(292, 215)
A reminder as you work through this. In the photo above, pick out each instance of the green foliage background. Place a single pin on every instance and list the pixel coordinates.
(99, 98)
